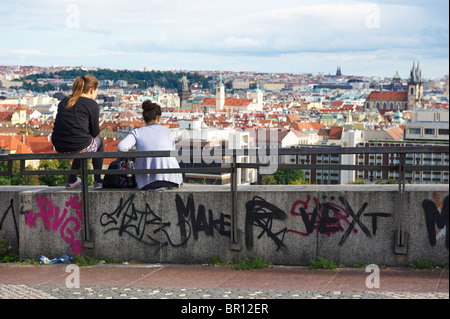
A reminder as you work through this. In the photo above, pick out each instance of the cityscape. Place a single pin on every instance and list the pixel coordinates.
(301, 152)
(235, 109)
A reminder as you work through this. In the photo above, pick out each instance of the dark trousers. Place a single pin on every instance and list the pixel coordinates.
(97, 163)
(159, 184)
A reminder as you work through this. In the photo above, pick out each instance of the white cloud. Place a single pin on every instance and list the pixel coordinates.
(239, 43)
(242, 32)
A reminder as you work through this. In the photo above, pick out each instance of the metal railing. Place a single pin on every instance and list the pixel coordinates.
(232, 168)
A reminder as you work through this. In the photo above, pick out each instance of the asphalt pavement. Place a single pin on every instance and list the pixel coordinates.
(202, 282)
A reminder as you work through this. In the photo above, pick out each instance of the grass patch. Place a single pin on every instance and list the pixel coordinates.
(244, 264)
(323, 263)
(6, 254)
(254, 263)
(215, 261)
(92, 261)
(422, 264)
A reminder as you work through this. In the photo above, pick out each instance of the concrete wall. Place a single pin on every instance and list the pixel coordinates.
(287, 225)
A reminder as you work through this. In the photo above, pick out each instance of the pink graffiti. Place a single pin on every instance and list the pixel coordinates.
(314, 216)
(53, 221)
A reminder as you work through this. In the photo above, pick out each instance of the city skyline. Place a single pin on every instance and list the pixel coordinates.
(374, 38)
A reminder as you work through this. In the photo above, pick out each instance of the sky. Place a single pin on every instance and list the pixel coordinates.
(368, 38)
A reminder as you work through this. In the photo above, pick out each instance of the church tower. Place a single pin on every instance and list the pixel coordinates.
(415, 87)
(184, 93)
(258, 97)
(396, 82)
(220, 96)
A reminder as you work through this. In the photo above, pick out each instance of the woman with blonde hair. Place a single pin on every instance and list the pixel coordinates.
(76, 129)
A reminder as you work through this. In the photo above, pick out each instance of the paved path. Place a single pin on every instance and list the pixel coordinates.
(207, 282)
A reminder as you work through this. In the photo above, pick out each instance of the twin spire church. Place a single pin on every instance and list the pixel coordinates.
(399, 99)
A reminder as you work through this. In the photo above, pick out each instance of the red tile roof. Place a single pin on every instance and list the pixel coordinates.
(336, 133)
(292, 118)
(306, 126)
(396, 132)
(13, 145)
(38, 143)
(388, 96)
(228, 102)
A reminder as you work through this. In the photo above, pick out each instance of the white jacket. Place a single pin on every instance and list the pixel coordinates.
(153, 137)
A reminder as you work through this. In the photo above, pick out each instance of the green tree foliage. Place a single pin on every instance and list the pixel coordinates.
(269, 180)
(166, 79)
(289, 176)
(285, 177)
(17, 178)
(49, 180)
(54, 180)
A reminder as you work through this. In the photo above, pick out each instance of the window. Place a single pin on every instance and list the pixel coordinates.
(429, 131)
(443, 131)
(414, 130)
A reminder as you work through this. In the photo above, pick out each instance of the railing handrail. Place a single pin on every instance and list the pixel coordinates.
(303, 150)
(402, 167)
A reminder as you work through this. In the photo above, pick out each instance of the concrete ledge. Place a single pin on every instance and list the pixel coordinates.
(288, 225)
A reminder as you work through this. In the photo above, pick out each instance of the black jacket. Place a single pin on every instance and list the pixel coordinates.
(75, 128)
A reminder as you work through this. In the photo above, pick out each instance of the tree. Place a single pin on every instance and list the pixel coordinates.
(17, 178)
(54, 180)
(269, 180)
(285, 177)
(289, 176)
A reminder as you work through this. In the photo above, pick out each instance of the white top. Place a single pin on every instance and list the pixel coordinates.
(153, 137)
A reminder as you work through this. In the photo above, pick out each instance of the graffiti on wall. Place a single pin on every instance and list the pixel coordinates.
(192, 221)
(330, 217)
(327, 217)
(260, 214)
(10, 210)
(146, 226)
(55, 219)
(436, 219)
(142, 225)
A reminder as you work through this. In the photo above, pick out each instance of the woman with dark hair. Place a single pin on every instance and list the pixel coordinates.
(153, 137)
(76, 126)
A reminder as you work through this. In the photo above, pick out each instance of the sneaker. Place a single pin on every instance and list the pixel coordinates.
(98, 185)
(76, 184)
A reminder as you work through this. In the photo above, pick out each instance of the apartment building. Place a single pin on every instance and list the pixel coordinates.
(429, 125)
(416, 177)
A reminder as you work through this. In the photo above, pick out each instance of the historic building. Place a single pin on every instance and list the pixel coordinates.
(184, 93)
(415, 88)
(220, 103)
(397, 83)
(397, 99)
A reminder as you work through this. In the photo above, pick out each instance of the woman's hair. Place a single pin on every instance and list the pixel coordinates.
(150, 111)
(81, 85)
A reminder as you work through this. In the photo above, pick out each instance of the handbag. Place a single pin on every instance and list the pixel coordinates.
(120, 181)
